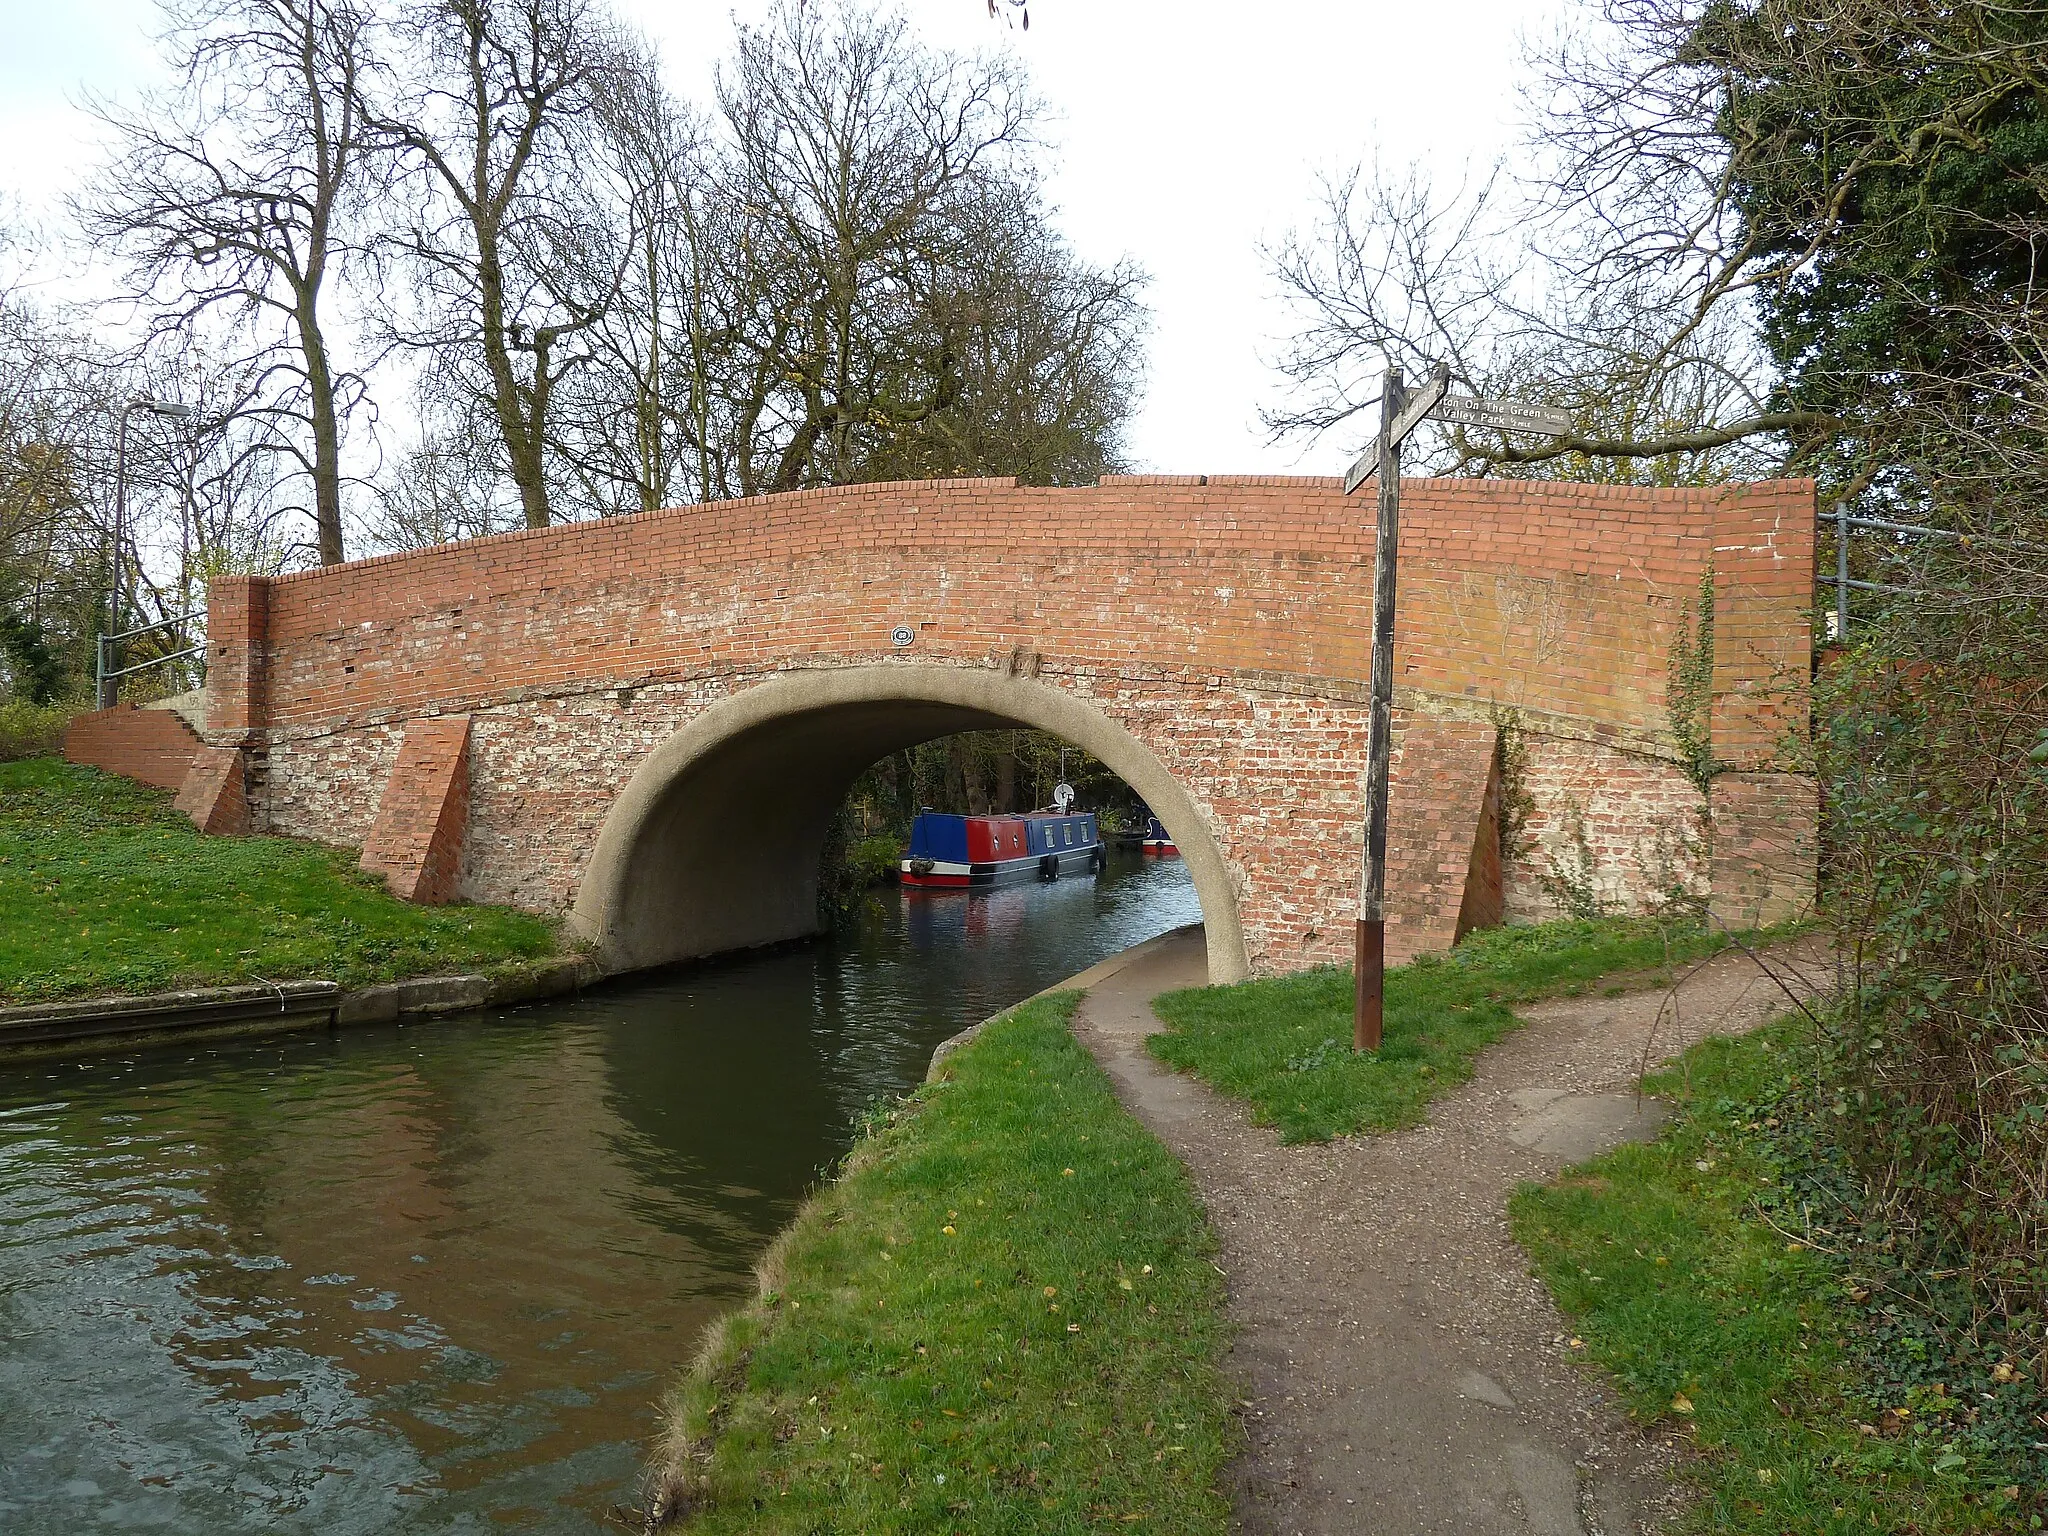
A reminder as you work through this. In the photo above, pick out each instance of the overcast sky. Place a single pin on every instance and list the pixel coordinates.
(1186, 135)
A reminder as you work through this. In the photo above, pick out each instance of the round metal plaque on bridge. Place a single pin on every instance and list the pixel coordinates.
(902, 635)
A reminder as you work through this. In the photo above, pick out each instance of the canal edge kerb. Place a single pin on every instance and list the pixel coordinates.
(99, 1024)
(1080, 981)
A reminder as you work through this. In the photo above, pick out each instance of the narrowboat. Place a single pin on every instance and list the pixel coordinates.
(1157, 840)
(980, 851)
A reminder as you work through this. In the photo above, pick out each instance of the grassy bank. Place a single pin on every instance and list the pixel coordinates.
(1816, 1370)
(1284, 1045)
(1002, 1317)
(104, 888)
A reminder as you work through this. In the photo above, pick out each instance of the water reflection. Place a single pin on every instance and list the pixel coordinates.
(433, 1278)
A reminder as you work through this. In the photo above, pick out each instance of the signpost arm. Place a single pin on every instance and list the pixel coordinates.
(1370, 955)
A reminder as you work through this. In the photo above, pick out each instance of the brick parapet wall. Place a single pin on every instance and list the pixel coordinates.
(237, 655)
(1556, 598)
(1763, 637)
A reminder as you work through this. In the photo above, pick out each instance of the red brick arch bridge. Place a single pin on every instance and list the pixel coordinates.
(647, 723)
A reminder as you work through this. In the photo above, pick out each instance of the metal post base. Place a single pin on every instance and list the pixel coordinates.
(1369, 968)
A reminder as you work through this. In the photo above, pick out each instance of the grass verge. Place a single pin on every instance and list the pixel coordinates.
(105, 889)
(1284, 1044)
(1002, 1316)
(1688, 1270)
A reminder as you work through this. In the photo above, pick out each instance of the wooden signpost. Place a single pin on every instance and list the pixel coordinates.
(1401, 412)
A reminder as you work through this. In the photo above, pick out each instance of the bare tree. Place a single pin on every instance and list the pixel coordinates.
(848, 274)
(228, 195)
(1694, 171)
(1395, 272)
(488, 130)
(54, 559)
(1034, 357)
(634, 426)
(849, 144)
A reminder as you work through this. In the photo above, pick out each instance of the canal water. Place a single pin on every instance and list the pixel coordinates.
(435, 1278)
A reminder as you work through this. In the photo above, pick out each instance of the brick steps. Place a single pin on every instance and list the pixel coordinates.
(151, 746)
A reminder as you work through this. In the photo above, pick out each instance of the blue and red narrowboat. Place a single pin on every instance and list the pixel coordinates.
(980, 851)
(1157, 840)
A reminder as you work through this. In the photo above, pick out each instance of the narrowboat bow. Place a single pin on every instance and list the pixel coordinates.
(1158, 840)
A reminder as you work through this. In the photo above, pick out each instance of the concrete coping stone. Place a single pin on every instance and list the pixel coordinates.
(284, 994)
(295, 1003)
(104, 1023)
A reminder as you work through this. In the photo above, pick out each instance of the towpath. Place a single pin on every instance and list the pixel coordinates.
(1399, 1369)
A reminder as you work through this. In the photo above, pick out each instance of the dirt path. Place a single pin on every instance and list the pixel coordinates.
(1404, 1372)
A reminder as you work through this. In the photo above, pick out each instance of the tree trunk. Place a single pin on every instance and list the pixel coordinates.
(522, 447)
(326, 436)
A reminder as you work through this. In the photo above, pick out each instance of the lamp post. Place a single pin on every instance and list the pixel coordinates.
(109, 658)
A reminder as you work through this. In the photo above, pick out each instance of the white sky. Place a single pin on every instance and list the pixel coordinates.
(1185, 135)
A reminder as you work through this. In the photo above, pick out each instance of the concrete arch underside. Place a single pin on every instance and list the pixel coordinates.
(714, 843)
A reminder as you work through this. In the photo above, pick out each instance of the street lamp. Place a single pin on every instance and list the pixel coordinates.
(110, 642)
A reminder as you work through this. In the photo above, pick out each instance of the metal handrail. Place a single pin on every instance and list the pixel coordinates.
(107, 677)
(1843, 521)
(1999, 540)
(146, 629)
(154, 661)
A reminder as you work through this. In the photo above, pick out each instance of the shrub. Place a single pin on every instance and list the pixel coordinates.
(873, 860)
(32, 730)
(1936, 1058)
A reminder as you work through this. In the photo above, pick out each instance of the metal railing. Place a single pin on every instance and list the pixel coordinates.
(107, 671)
(1844, 585)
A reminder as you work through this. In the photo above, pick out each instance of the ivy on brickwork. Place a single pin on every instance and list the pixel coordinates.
(1511, 768)
(1689, 687)
(1571, 875)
